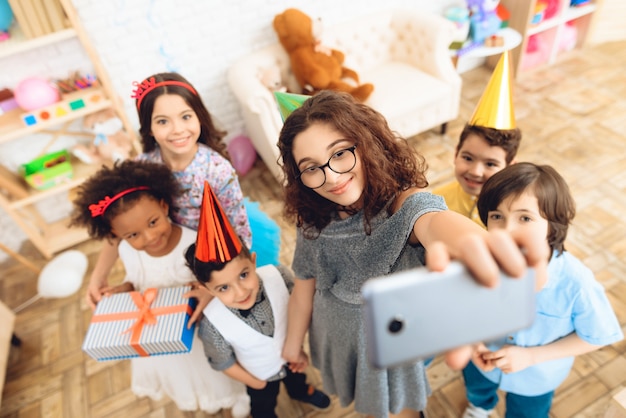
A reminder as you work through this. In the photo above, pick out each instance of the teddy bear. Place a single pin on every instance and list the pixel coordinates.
(111, 141)
(315, 66)
(270, 77)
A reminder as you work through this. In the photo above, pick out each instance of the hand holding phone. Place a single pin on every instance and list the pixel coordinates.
(417, 313)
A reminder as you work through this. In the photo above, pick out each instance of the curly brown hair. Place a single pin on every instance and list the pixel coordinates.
(209, 134)
(109, 181)
(555, 201)
(390, 163)
(507, 139)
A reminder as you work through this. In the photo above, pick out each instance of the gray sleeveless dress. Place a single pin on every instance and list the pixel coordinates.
(341, 259)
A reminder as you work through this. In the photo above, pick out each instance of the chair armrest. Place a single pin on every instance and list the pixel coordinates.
(245, 83)
(422, 41)
(258, 107)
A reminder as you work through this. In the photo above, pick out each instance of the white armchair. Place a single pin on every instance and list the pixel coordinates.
(403, 53)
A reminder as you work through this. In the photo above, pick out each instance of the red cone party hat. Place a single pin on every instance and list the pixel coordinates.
(217, 241)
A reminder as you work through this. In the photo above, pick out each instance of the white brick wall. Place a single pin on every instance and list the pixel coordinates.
(198, 38)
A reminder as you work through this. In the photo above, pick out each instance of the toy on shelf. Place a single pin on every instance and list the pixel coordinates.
(6, 19)
(539, 12)
(61, 108)
(7, 101)
(504, 15)
(484, 20)
(552, 8)
(569, 37)
(34, 93)
(460, 17)
(76, 82)
(39, 18)
(110, 143)
(48, 170)
(537, 51)
(494, 41)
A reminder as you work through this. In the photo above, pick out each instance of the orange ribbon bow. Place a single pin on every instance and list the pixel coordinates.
(146, 315)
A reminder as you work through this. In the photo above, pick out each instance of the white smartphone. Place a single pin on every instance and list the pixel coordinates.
(417, 313)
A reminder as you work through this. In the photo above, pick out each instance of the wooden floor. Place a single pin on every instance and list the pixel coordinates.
(573, 116)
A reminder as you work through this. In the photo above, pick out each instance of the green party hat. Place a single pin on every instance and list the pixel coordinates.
(288, 102)
(495, 108)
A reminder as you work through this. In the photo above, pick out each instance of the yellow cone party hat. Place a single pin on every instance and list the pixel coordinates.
(495, 108)
(288, 102)
(217, 241)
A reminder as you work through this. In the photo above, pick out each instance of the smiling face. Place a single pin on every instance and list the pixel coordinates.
(317, 145)
(175, 126)
(237, 284)
(146, 227)
(476, 161)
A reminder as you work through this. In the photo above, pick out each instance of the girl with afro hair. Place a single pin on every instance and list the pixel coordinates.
(130, 202)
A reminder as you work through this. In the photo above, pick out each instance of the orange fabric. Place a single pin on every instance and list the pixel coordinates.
(145, 315)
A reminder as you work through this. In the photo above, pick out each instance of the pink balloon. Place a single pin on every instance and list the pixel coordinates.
(34, 93)
(242, 153)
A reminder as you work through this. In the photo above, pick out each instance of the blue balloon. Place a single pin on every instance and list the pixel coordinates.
(6, 15)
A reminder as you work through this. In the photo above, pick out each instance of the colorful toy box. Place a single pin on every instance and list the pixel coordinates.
(49, 170)
(484, 20)
(131, 324)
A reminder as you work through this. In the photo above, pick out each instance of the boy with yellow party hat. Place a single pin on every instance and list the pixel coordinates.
(244, 327)
(488, 143)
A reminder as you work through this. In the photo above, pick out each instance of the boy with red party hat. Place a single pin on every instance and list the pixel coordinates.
(244, 326)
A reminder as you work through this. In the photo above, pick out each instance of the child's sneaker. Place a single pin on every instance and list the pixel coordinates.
(315, 398)
(475, 412)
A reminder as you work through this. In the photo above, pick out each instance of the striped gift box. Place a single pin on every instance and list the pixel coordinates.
(132, 324)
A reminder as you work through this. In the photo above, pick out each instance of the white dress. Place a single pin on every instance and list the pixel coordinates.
(186, 378)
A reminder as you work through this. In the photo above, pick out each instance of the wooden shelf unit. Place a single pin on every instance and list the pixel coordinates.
(16, 197)
(13, 126)
(549, 34)
(19, 43)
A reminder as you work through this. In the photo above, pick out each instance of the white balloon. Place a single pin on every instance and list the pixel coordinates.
(63, 275)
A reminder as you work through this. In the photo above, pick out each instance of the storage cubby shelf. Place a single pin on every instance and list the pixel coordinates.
(568, 26)
(17, 198)
(18, 43)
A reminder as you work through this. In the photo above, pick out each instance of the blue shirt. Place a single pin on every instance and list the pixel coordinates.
(571, 301)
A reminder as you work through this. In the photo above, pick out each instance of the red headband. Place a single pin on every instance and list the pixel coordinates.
(99, 208)
(150, 84)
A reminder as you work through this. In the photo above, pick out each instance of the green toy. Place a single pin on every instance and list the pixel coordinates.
(47, 171)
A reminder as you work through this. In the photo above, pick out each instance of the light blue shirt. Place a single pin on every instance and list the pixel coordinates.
(571, 301)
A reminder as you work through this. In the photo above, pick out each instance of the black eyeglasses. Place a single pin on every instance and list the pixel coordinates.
(340, 162)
